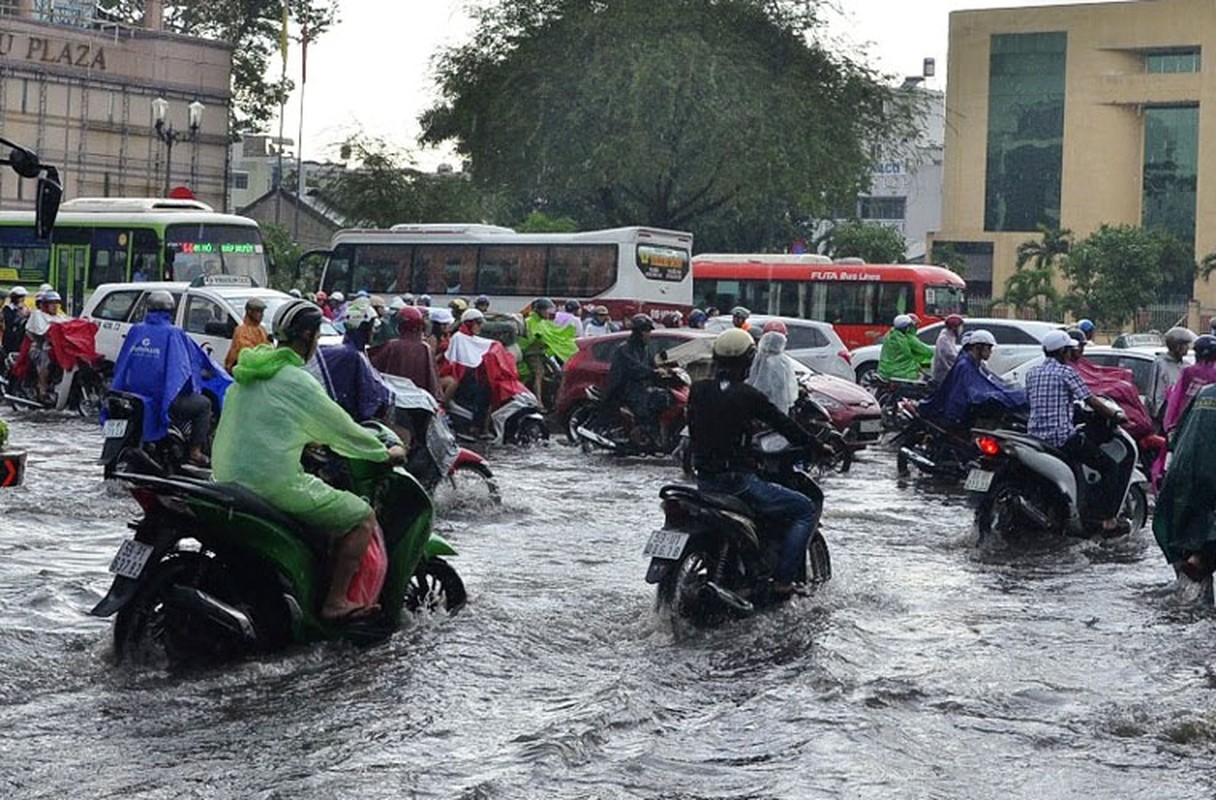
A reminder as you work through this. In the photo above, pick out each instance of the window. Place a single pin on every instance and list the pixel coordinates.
(145, 255)
(116, 305)
(889, 208)
(513, 270)
(943, 300)
(894, 299)
(1025, 130)
(238, 180)
(23, 259)
(437, 267)
(1171, 168)
(846, 302)
(1010, 334)
(1172, 61)
(109, 256)
(141, 307)
(380, 268)
(805, 337)
(200, 311)
(582, 270)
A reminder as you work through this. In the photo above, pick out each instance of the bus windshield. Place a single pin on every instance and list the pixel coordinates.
(943, 300)
(216, 249)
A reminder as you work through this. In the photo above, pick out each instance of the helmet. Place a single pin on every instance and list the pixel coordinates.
(337, 297)
(357, 315)
(1205, 347)
(1179, 335)
(542, 304)
(18, 291)
(572, 306)
(52, 296)
(740, 312)
(902, 321)
(1078, 336)
(253, 304)
(1086, 326)
(696, 316)
(601, 310)
(295, 293)
(472, 315)
(1055, 341)
(378, 301)
(397, 304)
(481, 300)
(409, 318)
(295, 318)
(776, 325)
(440, 316)
(458, 306)
(733, 343)
(641, 322)
(981, 337)
(954, 320)
(424, 300)
(322, 297)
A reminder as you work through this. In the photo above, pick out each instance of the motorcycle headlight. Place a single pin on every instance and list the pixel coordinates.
(830, 403)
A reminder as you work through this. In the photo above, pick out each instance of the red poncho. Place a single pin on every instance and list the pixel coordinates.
(71, 340)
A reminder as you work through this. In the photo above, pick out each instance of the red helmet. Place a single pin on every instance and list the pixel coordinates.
(321, 297)
(954, 320)
(409, 318)
(776, 325)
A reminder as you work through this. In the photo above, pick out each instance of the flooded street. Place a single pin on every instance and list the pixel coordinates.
(925, 669)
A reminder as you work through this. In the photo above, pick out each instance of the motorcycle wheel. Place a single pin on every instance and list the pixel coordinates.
(682, 592)
(531, 432)
(149, 630)
(89, 397)
(998, 513)
(818, 560)
(469, 483)
(580, 415)
(435, 586)
(1135, 508)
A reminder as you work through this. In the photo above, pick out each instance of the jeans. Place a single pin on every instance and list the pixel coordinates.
(195, 409)
(774, 503)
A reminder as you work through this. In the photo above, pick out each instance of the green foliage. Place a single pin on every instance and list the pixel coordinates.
(538, 222)
(1119, 269)
(3, 434)
(284, 253)
(1032, 287)
(254, 29)
(716, 117)
(1046, 250)
(945, 254)
(384, 189)
(875, 243)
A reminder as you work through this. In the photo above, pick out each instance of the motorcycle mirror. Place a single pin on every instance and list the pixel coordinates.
(662, 355)
(49, 195)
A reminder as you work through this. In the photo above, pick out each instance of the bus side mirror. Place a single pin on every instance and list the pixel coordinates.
(49, 193)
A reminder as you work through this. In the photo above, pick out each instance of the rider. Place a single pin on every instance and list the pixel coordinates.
(629, 379)
(1086, 327)
(13, 320)
(168, 370)
(464, 376)
(945, 350)
(275, 409)
(772, 371)
(903, 355)
(408, 356)
(544, 339)
(249, 333)
(599, 324)
(970, 388)
(1183, 520)
(1051, 388)
(739, 316)
(1192, 379)
(1167, 368)
(36, 328)
(570, 317)
(721, 414)
(345, 372)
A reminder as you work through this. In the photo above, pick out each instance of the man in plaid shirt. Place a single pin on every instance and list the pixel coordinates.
(1052, 388)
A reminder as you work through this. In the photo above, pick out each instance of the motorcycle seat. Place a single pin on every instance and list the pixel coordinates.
(722, 502)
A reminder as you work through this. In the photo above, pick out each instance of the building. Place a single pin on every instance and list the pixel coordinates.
(310, 223)
(1075, 116)
(257, 163)
(80, 91)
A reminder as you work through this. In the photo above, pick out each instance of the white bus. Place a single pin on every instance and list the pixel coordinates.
(626, 269)
(119, 240)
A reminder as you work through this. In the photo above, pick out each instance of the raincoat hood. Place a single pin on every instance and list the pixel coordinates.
(262, 362)
(772, 373)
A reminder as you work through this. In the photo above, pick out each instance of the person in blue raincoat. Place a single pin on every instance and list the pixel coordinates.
(345, 371)
(169, 371)
(970, 388)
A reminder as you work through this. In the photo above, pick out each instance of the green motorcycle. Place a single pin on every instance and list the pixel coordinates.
(215, 573)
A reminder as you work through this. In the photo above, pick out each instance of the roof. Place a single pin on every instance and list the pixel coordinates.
(309, 203)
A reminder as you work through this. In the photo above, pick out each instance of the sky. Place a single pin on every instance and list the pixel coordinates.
(373, 71)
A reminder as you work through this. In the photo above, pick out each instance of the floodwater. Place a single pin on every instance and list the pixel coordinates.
(925, 669)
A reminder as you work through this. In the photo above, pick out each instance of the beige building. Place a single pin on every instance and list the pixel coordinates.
(1074, 116)
(79, 91)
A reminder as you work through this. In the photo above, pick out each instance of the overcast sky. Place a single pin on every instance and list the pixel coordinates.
(372, 72)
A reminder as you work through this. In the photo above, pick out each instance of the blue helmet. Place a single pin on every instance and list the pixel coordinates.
(1205, 347)
(1086, 326)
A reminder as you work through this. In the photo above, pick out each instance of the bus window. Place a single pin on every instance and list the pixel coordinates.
(216, 249)
(581, 270)
(108, 255)
(145, 255)
(380, 268)
(941, 301)
(718, 294)
(849, 302)
(438, 267)
(23, 259)
(788, 298)
(337, 270)
(512, 269)
(894, 299)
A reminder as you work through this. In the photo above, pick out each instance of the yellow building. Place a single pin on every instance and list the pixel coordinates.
(1075, 116)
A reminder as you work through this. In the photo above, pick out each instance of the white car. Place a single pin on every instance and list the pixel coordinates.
(208, 312)
(1016, 341)
(1137, 359)
(810, 342)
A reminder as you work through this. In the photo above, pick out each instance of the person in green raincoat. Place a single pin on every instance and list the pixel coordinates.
(544, 338)
(1184, 522)
(270, 414)
(903, 355)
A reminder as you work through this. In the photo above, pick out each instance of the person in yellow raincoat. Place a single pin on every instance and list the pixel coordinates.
(249, 333)
(270, 414)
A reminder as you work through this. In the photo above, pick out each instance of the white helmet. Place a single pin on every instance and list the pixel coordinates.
(472, 315)
(902, 321)
(1057, 340)
(981, 337)
(337, 297)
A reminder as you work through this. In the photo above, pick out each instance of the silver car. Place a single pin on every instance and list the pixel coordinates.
(809, 342)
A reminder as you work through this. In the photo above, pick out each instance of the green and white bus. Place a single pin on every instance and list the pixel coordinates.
(120, 240)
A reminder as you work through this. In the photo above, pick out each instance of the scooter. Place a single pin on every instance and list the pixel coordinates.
(622, 435)
(712, 559)
(941, 450)
(80, 387)
(214, 572)
(890, 391)
(1021, 483)
(518, 421)
(123, 449)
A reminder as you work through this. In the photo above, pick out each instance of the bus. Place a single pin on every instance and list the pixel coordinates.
(628, 270)
(858, 299)
(119, 240)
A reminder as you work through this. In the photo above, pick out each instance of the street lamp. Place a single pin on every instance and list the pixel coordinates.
(166, 133)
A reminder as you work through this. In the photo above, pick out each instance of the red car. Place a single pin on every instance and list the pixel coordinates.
(854, 411)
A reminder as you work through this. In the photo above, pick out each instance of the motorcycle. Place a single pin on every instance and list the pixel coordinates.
(890, 391)
(1022, 483)
(124, 450)
(623, 435)
(80, 385)
(214, 572)
(816, 420)
(517, 421)
(939, 449)
(712, 559)
(434, 457)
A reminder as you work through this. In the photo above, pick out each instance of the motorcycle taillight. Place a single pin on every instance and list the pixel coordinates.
(988, 446)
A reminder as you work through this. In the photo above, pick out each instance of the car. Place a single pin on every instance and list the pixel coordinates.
(854, 411)
(809, 342)
(1149, 339)
(207, 310)
(1016, 341)
(1139, 360)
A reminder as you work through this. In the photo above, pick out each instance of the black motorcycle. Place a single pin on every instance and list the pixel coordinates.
(124, 451)
(713, 558)
(941, 449)
(889, 392)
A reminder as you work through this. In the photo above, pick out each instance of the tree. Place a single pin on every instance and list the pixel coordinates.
(1046, 250)
(1032, 287)
(717, 117)
(875, 243)
(1114, 272)
(254, 28)
(284, 253)
(945, 254)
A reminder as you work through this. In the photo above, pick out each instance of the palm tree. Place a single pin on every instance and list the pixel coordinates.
(1054, 242)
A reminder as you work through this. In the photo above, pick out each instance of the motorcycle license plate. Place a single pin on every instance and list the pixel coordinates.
(978, 480)
(665, 544)
(114, 428)
(870, 425)
(130, 559)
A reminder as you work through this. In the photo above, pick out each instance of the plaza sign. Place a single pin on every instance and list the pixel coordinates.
(50, 51)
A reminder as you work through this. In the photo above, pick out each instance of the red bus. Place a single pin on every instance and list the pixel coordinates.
(859, 299)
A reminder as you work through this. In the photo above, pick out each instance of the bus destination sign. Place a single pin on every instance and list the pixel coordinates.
(663, 263)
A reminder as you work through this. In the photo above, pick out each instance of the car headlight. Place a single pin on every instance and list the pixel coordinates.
(830, 403)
